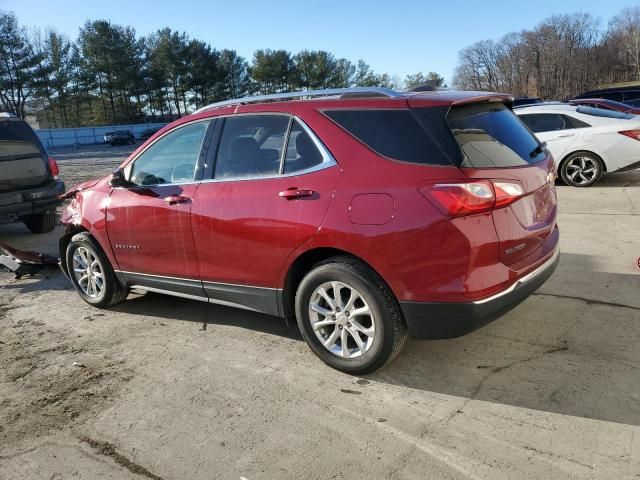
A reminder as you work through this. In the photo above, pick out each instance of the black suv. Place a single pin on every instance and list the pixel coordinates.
(29, 184)
(148, 133)
(122, 137)
(520, 101)
(629, 94)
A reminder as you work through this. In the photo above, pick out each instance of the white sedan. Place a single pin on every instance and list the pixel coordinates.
(584, 141)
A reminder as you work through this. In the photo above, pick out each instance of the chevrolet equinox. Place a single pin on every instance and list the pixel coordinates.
(366, 214)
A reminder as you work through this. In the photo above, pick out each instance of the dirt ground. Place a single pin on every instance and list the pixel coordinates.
(166, 388)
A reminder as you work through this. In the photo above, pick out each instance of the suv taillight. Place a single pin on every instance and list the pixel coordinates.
(53, 166)
(458, 199)
(635, 134)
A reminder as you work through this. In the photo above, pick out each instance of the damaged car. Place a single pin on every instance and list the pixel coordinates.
(366, 214)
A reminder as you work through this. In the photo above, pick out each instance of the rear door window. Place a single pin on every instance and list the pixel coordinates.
(251, 146)
(490, 135)
(573, 122)
(545, 122)
(302, 152)
(395, 134)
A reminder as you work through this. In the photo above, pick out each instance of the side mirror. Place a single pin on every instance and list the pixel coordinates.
(118, 180)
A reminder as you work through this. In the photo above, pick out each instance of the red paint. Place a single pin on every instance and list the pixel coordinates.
(250, 232)
(150, 230)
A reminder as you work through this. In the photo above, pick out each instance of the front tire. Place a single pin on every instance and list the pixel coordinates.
(91, 273)
(41, 222)
(349, 317)
(581, 169)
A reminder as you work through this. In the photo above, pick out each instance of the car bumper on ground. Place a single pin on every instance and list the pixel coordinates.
(433, 321)
(14, 205)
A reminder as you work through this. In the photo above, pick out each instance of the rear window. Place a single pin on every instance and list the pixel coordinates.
(396, 134)
(17, 138)
(599, 112)
(490, 135)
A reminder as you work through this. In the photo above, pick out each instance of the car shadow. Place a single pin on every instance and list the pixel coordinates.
(620, 179)
(557, 352)
(175, 308)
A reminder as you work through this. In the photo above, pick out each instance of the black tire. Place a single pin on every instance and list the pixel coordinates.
(390, 327)
(575, 175)
(112, 292)
(43, 222)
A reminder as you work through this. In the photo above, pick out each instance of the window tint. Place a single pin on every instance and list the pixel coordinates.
(395, 134)
(573, 122)
(617, 96)
(490, 135)
(631, 95)
(599, 112)
(545, 122)
(17, 138)
(251, 146)
(172, 159)
(302, 152)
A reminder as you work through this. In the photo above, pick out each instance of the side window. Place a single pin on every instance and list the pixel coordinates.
(172, 159)
(572, 122)
(251, 146)
(302, 152)
(544, 122)
(396, 134)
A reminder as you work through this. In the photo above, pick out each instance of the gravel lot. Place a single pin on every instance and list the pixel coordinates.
(166, 388)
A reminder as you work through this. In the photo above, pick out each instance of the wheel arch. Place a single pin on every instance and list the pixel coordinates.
(68, 233)
(583, 150)
(305, 263)
(73, 229)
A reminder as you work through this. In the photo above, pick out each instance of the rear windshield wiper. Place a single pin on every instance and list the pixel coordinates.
(539, 149)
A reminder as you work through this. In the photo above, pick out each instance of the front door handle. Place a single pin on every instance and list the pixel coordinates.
(565, 135)
(173, 199)
(295, 192)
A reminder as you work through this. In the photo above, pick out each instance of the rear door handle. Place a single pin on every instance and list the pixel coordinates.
(173, 199)
(295, 192)
(565, 135)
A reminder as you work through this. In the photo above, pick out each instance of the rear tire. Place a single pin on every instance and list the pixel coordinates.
(43, 222)
(359, 307)
(91, 273)
(581, 169)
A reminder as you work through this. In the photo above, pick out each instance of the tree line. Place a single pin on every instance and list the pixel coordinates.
(563, 56)
(109, 75)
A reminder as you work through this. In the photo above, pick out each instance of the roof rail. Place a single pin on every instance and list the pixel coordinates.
(354, 92)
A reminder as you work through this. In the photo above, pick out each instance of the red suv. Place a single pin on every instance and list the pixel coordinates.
(367, 214)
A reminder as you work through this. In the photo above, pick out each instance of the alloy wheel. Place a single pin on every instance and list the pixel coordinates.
(341, 319)
(582, 170)
(88, 272)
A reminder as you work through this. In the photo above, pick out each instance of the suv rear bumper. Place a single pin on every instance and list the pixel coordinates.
(434, 320)
(14, 205)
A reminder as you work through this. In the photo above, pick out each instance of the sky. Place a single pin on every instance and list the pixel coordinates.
(399, 37)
